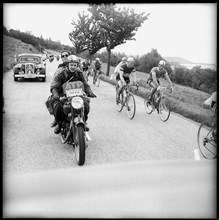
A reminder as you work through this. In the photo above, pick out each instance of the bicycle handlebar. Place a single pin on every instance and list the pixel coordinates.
(170, 88)
(134, 84)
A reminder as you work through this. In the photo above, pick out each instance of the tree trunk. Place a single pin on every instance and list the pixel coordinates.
(108, 62)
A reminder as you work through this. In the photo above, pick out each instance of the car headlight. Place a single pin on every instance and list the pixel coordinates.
(19, 65)
(77, 102)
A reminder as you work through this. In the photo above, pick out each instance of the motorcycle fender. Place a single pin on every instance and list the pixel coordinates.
(78, 120)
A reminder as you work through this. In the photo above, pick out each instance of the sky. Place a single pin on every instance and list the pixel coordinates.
(187, 30)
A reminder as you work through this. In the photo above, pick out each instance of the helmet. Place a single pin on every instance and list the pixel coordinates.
(124, 59)
(72, 59)
(162, 63)
(130, 59)
(98, 58)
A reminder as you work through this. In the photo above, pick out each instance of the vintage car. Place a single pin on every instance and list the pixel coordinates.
(29, 65)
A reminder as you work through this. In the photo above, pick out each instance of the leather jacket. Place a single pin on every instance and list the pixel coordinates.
(63, 76)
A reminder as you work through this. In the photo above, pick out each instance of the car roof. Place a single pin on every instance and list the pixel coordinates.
(30, 54)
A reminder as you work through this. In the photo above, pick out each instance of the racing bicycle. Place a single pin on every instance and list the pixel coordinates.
(126, 99)
(96, 77)
(207, 141)
(159, 102)
(86, 73)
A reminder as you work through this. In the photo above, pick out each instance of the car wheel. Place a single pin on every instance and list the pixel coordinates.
(15, 79)
(43, 79)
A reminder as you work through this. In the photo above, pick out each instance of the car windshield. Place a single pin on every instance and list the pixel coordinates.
(29, 59)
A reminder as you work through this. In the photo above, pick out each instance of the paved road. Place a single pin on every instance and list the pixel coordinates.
(134, 168)
(30, 144)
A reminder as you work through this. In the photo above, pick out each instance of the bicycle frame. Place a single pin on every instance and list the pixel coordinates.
(126, 98)
(158, 94)
(159, 102)
(125, 91)
(96, 77)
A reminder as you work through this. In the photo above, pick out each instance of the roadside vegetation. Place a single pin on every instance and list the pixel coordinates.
(192, 87)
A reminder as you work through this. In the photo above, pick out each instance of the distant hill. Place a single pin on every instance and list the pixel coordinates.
(177, 60)
(13, 46)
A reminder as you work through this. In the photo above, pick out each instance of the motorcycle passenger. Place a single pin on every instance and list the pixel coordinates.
(64, 57)
(155, 74)
(123, 75)
(71, 72)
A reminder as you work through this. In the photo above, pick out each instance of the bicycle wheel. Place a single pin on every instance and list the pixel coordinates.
(206, 142)
(131, 106)
(119, 103)
(164, 109)
(147, 105)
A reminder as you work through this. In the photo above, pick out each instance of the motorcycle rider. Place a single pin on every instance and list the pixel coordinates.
(70, 72)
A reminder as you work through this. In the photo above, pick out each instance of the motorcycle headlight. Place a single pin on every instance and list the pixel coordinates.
(77, 102)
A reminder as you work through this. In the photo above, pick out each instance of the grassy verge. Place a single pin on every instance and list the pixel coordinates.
(184, 100)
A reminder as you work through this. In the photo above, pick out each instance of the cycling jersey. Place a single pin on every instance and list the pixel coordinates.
(126, 71)
(97, 65)
(159, 74)
(85, 65)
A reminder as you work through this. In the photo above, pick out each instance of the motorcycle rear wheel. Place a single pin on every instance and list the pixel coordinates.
(79, 146)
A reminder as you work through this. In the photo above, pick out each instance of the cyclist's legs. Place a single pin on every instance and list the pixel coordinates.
(121, 85)
(154, 89)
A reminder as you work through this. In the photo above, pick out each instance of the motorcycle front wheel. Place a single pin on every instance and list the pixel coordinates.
(79, 144)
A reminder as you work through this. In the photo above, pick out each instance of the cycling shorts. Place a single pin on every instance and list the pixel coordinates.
(127, 79)
(149, 81)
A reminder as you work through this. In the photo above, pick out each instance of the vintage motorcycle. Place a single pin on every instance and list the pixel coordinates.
(73, 129)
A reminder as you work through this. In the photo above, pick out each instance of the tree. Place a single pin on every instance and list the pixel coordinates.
(86, 35)
(118, 26)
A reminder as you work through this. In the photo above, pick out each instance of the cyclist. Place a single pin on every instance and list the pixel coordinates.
(212, 101)
(117, 68)
(97, 67)
(123, 75)
(155, 74)
(70, 73)
(85, 68)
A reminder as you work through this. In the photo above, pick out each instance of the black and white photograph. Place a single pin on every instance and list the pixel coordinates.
(109, 110)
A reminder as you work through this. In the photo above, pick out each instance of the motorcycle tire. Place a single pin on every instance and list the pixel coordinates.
(80, 145)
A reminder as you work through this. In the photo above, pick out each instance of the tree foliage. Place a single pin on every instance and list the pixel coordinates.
(86, 35)
(118, 25)
(38, 42)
